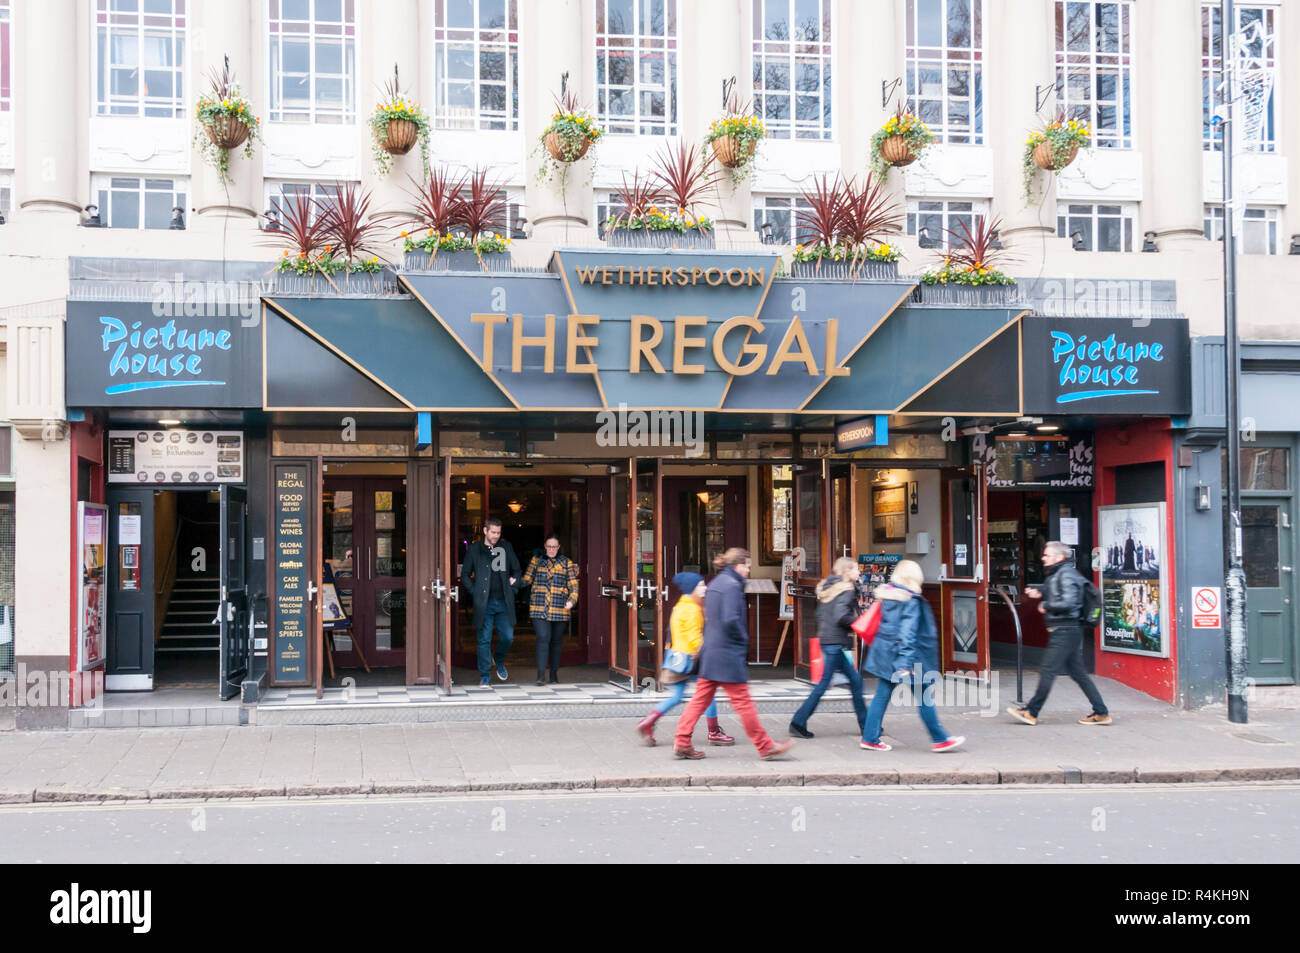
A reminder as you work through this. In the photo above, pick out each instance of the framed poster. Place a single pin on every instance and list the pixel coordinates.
(889, 514)
(788, 568)
(1134, 592)
(175, 456)
(92, 539)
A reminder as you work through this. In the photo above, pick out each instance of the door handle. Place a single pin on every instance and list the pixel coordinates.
(1287, 569)
(454, 592)
(311, 591)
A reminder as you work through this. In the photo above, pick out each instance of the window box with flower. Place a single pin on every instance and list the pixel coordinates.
(331, 245)
(846, 225)
(971, 270)
(662, 209)
(457, 225)
(899, 142)
(1053, 148)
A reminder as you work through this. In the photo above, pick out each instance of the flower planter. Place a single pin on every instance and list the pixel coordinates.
(555, 146)
(731, 153)
(845, 270)
(1043, 157)
(227, 132)
(361, 283)
(659, 238)
(968, 295)
(896, 150)
(400, 136)
(419, 260)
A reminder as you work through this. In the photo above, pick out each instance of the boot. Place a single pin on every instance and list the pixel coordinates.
(717, 736)
(646, 730)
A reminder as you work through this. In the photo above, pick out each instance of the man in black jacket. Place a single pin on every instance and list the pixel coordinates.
(1062, 605)
(489, 575)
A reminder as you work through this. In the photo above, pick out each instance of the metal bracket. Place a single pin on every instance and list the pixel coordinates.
(887, 88)
(1041, 93)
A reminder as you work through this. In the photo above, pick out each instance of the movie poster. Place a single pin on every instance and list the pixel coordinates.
(1133, 591)
(92, 523)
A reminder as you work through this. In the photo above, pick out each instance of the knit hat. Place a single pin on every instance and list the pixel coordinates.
(687, 581)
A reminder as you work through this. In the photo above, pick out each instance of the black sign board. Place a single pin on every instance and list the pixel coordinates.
(1107, 366)
(863, 432)
(1055, 462)
(291, 568)
(148, 354)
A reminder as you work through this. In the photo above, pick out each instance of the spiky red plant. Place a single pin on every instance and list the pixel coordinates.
(974, 249)
(684, 174)
(638, 196)
(350, 225)
(823, 221)
(434, 201)
(481, 205)
(869, 214)
(301, 228)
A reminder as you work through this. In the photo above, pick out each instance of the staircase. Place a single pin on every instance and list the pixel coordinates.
(188, 625)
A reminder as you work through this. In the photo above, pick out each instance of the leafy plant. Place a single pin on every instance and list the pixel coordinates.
(351, 225)
(685, 174)
(392, 108)
(302, 230)
(1065, 135)
(822, 222)
(481, 207)
(636, 198)
(869, 216)
(221, 105)
(575, 128)
(903, 123)
(748, 131)
(435, 201)
(972, 258)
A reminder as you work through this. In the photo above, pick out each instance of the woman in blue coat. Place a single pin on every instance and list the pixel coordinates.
(906, 649)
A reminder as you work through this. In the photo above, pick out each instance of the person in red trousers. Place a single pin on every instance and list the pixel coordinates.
(722, 660)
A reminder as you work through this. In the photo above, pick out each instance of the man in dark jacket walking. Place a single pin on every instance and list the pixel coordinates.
(1062, 604)
(723, 656)
(489, 574)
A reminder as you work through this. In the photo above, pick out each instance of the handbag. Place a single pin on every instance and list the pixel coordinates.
(868, 624)
(679, 663)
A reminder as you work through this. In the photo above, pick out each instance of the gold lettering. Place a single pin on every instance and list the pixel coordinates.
(738, 279)
(587, 275)
(642, 348)
(489, 322)
(758, 276)
(634, 275)
(681, 342)
(668, 276)
(682, 275)
(759, 351)
(605, 275)
(794, 333)
(833, 368)
(576, 340)
(695, 275)
(652, 276)
(547, 341)
(708, 276)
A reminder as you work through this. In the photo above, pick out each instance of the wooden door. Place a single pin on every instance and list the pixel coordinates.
(964, 619)
(811, 492)
(130, 556)
(619, 589)
(424, 539)
(651, 586)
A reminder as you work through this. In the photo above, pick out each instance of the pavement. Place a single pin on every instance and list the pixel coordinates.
(1151, 744)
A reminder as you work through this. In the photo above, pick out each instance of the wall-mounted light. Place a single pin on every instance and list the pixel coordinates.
(1202, 497)
(92, 217)
(178, 218)
(514, 506)
(994, 240)
(1149, 242)
(913, 499)
(766, 231)
(924, 239)
(883, 476)
(1077, 239)
(1047, 428)
(271, 220)
(168, 422)
(1295, 244)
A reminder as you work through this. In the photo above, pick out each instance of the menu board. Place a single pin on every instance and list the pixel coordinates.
(175, 456)
(1059, 461)
(292, 562)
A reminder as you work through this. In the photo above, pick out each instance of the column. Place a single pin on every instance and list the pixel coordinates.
(712, 44)
(391, 35)
(1021, 58)
(46, 178)
(1169, 118)
(873, 32)
(228, 28)
(556, 39)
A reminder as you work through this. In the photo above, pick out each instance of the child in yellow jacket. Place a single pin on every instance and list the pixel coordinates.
(687, 627)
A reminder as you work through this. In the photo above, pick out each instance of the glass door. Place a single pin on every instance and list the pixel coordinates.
(232, 610)
(812, 540)
(425, 656)
(619, 590)
(963, 577)
(1270, 575)
(843, 517)
(651, 587)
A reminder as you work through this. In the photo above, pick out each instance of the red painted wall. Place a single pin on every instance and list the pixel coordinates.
(1145, 442)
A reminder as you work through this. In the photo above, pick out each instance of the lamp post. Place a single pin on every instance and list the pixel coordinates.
(1235, 581)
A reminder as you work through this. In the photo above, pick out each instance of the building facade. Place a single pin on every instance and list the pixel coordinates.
(106, 199)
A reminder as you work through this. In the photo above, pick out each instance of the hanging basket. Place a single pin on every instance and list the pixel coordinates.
(555, 146)
(1043, 157)
(896, 150)
(400, 136)
(227, 132)
(731, 152)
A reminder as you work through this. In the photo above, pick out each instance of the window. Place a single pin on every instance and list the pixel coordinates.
(6, 194)
(313, 60)
(278, 192)
(778, 513)
(945, 67)
(1096, 227)
(6, 57)
(126, 202)
(1259, 22)
(1094, 68)
(792, 67)
(939, 217)
(140, 58)
(636, 66)
(1258, 232)
(782, 213)
(476, 64)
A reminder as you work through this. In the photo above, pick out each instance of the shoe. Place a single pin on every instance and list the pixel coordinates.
(719, 737)
(555, 679)
(800, 731)
(688, 754)
(952, 744)
(1095, 719)
(646, 729)
(541, 681)
(778, 748)
(876, 746)
(1022, 715)
(485, 683)
(501, 672)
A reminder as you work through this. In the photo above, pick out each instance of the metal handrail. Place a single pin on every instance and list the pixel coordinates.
(1020, 642)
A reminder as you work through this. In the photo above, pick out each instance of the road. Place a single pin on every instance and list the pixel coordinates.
(1204, 824)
